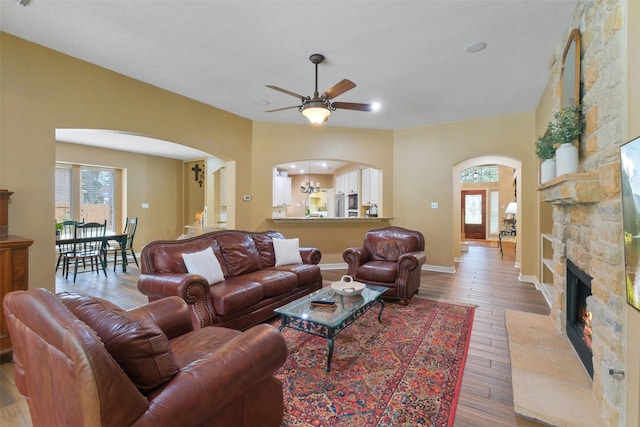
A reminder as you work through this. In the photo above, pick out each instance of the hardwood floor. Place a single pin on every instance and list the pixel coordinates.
(481, 279)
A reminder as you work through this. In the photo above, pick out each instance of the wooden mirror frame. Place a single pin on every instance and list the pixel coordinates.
(570, 71)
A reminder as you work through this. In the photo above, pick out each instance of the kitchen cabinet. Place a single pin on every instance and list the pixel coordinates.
(341, 187)
(371, 184)
(281, 191)
(353, 183)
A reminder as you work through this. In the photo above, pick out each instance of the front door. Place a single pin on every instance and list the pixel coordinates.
(474, 214)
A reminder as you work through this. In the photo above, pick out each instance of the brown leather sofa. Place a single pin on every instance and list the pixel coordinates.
(391, 257)
(252, 287)
(81, 361)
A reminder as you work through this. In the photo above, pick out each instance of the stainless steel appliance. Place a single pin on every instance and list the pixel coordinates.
(353, 201)
(340, 206)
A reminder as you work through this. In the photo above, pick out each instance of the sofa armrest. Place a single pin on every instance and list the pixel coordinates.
(192, 288)
(411, 261)
(355, 257)
(170, 314)
(211, 383)
(310, 255)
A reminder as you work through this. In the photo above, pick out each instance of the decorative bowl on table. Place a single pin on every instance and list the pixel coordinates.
(347, 286)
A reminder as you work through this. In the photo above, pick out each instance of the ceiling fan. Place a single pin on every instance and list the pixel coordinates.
(318, 108)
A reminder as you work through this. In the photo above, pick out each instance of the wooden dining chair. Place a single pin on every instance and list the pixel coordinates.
(130, 228)
(68, 230)
(88, 245)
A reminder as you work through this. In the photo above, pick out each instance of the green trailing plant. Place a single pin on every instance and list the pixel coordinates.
(545, 146)
(567, 125)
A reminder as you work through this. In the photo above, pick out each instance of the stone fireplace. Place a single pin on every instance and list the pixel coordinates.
(586, 242)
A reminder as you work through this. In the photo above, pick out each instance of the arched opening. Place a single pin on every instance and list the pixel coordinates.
(515, 164)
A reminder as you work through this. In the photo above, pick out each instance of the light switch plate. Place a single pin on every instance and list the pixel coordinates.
(434, 205)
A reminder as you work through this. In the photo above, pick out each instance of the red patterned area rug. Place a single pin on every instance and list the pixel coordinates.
(404, 372)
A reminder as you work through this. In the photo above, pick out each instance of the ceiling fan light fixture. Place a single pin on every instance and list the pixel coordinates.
(316, 112)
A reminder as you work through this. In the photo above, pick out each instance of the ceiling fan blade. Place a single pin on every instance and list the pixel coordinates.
(352, 106)
(285, 108)
(338, 89)
(288, 92)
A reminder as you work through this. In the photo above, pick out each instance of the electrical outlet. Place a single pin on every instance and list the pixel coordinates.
(145, 206)
(434, 205)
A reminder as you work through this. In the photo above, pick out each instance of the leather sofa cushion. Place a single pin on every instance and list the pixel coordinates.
(378, 271)
(235, 294)
(274, 282)
(133, 340)
(239, 253)
(307, 273)
(264, 243)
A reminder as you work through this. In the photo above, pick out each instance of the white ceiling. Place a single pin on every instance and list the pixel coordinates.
(410, 56)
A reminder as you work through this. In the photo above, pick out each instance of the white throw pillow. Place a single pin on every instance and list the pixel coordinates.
(205, 264)
(287, 251)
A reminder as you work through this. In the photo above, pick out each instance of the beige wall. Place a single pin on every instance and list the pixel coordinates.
(426, 156)
(43, 90)
(146, 175)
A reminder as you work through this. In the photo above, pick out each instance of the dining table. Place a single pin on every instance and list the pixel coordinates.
(121, 238)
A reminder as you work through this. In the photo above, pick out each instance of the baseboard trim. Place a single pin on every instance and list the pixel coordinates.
(439, 268)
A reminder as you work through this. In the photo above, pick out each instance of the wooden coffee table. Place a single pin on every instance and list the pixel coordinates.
(329, 321)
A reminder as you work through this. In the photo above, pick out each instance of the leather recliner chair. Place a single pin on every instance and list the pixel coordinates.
(390, 257)
(82, 361)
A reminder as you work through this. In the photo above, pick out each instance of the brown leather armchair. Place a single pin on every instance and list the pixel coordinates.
(82, 361)
(390, 257)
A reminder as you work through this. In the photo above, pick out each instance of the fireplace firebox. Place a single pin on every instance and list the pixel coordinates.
(578, 317)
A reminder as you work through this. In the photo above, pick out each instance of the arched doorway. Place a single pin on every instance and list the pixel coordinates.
(515, 164)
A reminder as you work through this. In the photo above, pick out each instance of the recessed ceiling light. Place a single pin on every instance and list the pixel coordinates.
(476, 47)
(375, 106)
(261, 102)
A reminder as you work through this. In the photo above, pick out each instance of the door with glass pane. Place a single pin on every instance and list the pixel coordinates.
(474, 214)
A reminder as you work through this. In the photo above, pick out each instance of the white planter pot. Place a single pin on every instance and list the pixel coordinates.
(566, 159)
(547, 170)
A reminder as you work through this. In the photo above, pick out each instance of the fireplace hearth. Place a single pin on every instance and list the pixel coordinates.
(578, 316)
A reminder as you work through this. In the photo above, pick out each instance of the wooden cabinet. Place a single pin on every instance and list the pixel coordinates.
(370, 186)
(14, 276)
(281, 191)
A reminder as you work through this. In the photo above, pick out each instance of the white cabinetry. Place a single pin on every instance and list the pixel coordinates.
(341, 184)
(281, 190)
(352, 182)
(370, 186)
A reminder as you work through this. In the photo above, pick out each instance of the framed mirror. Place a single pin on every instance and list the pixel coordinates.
(570, 72)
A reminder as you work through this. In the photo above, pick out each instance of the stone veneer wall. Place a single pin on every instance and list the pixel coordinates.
(587, 207)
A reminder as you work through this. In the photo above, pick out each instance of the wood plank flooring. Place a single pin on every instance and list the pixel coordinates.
(481, 279)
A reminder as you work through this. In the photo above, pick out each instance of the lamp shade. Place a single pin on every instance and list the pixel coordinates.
(512, 208)
(316, 112)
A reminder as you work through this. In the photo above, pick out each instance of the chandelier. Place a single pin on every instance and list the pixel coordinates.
(308, 188)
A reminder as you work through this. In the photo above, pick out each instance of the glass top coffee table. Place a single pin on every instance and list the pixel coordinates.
(329, 321)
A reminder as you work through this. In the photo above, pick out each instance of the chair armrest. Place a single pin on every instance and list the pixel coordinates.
(211, 383)
(310, 255)
(410, 261)
(170, 314)
(192, 288)
(355, 257)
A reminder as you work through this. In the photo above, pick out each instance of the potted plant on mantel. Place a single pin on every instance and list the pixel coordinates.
(558, 139)
(568, 126)
(546, 150)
